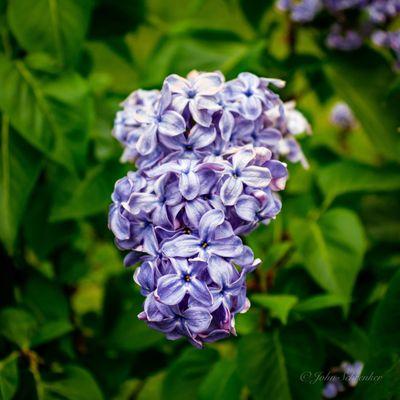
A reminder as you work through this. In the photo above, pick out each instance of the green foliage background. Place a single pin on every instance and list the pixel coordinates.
(329, 287)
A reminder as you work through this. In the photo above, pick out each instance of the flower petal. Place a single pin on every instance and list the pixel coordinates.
(226, 124)
(202, 117)
(177, 84)
(181, 246)
(147, 141)
(251, 107)
(221, 271)
(170, 289)
(257, 177)
(189, 185)
(208, 84)
(229, 247)
(231, 189)
(198, 319)
(246, 208)
(171, 124)
(208, 223)
(200, 292)
(201, 136)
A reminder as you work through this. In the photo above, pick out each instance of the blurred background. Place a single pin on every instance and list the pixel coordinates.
(328, 289)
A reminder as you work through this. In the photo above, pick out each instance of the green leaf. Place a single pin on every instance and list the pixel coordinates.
(384, 347)
(51, 330)
(386, 320)
(53, 113)
(92, 195)
(349, 338)
(349, 177)
(186, 374)
(17, 326)
(271, 364)
(332, 250)
(320, 302)
(279, 305)
(19, 170)
(112, 18)
(152, 387)
(254, 10)
(366, 96)
(75, 383)
(8, 376)
(57, 27)
(130, 334)
(222, 382)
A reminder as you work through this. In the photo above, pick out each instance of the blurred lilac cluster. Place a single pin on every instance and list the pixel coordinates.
(342, 117)
(207, 153)
(355, 21)
(346, 376)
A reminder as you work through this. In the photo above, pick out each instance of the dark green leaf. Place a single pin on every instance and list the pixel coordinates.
(19, 169)
(222, 382)
(348, 177)
(8, 376)
(92, 195)
(75, 383)
(131, 334)
(57, 27)
(279, 305)
(271, 364)
(52, 113)
(254, 10)
(332, 250)
(17, 326)
(186, 374)
(365, 94)
(320, 302)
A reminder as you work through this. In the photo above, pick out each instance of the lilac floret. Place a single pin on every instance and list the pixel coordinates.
(208, 154)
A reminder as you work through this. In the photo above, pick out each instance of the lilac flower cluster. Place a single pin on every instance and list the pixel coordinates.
(347, 375)
(207, 154)
(343, 117)
(355, 21)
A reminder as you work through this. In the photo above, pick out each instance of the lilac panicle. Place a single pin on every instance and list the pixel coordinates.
(354, 21)
(208, 155)
(342, 116)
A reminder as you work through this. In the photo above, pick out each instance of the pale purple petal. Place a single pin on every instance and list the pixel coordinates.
(210, 220)
(257, 177)
(220, 270)
(208, 84)
(197, 319)
(252, 107)
(242, 158)
(201, 136)
(170, 289)
(247, 208)
(181, 246)
(177, 84)
(231, 189)
(226, 124)
(229, 247)
(147, 141)
(189, 185)
(200, 292)
(171, 124)
(202, 117)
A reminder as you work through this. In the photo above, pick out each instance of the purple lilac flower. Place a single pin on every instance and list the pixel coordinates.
(390, 40)
(342, 116)
(346, 375)
(353, 21)
(301, 11)
(208, 158)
